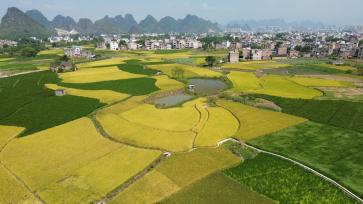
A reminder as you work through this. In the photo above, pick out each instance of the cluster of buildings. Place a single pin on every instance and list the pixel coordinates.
(263, 46)
(9, 43)
(78, 52)
(172, 43)
(148, 43)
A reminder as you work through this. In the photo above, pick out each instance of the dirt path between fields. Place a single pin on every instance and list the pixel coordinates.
(36, 196)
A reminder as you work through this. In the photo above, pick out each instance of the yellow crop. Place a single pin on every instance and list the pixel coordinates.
(166, 84)
(176, 172)
(104, 96)
(221, 124)
(145, 136)
(256, 122)
(173, 119)
(243, 81)
(307, 81)
(281, 86)
(73, 163)
(12, 191)
(255, 65)
(52, 52)
(100, 63)
(189, 71)
(7, 133)
(97, 75)
(100, 176)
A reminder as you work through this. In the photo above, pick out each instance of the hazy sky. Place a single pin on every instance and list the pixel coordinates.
(222, 11)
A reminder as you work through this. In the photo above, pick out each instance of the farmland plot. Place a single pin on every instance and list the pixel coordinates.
(7, 133)
(255, 65)
(285, 182)
(314, 82)
(178, 171)
(97, 75)
(244, 81)
(256, 122)
(334, 151)
(189, 71)
(65, 162)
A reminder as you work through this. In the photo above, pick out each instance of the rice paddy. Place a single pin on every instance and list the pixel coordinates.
(67, 169)
(255, 65)
(176, 172)
(105, 138)
(189, 71)
(256, 122)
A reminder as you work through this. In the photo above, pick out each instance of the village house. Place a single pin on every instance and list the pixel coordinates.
(294, 54)
(256, 54)
(233, 56)
(9, 43)
(78, 52)
(282, 51)
(114, 45)
(62, 67)
(266, 54)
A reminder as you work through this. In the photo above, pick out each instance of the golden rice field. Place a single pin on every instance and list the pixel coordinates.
(243, 81)
(189, 71)
(276, 85)
(255, 65)
(104, 96)
(173, 119)
(176, 172)
(315, 82)
(101, 63)
(97, 75)
(145, 136)
(64, 163)
(7, 133)
(13, 191)
(164, 83)
(221, 125)
(256, 122)
(173, 129)
(52, 52)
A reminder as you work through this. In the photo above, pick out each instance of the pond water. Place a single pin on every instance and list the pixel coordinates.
(172, 100)
(207, 86)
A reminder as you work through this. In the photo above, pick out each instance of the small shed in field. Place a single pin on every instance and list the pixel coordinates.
(60, 92)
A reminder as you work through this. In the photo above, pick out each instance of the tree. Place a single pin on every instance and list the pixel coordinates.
(177, 73)
(108, 45)
(28, 52)
(360, 42)
(64, 58)
(211, 61)
(360, 71)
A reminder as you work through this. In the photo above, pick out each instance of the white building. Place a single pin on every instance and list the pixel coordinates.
(114, 45)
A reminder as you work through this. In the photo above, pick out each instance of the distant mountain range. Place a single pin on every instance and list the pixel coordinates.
(17, 24)
(295, 25)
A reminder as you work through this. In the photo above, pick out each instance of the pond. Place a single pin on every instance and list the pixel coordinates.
(207, 86)
(169, 101)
